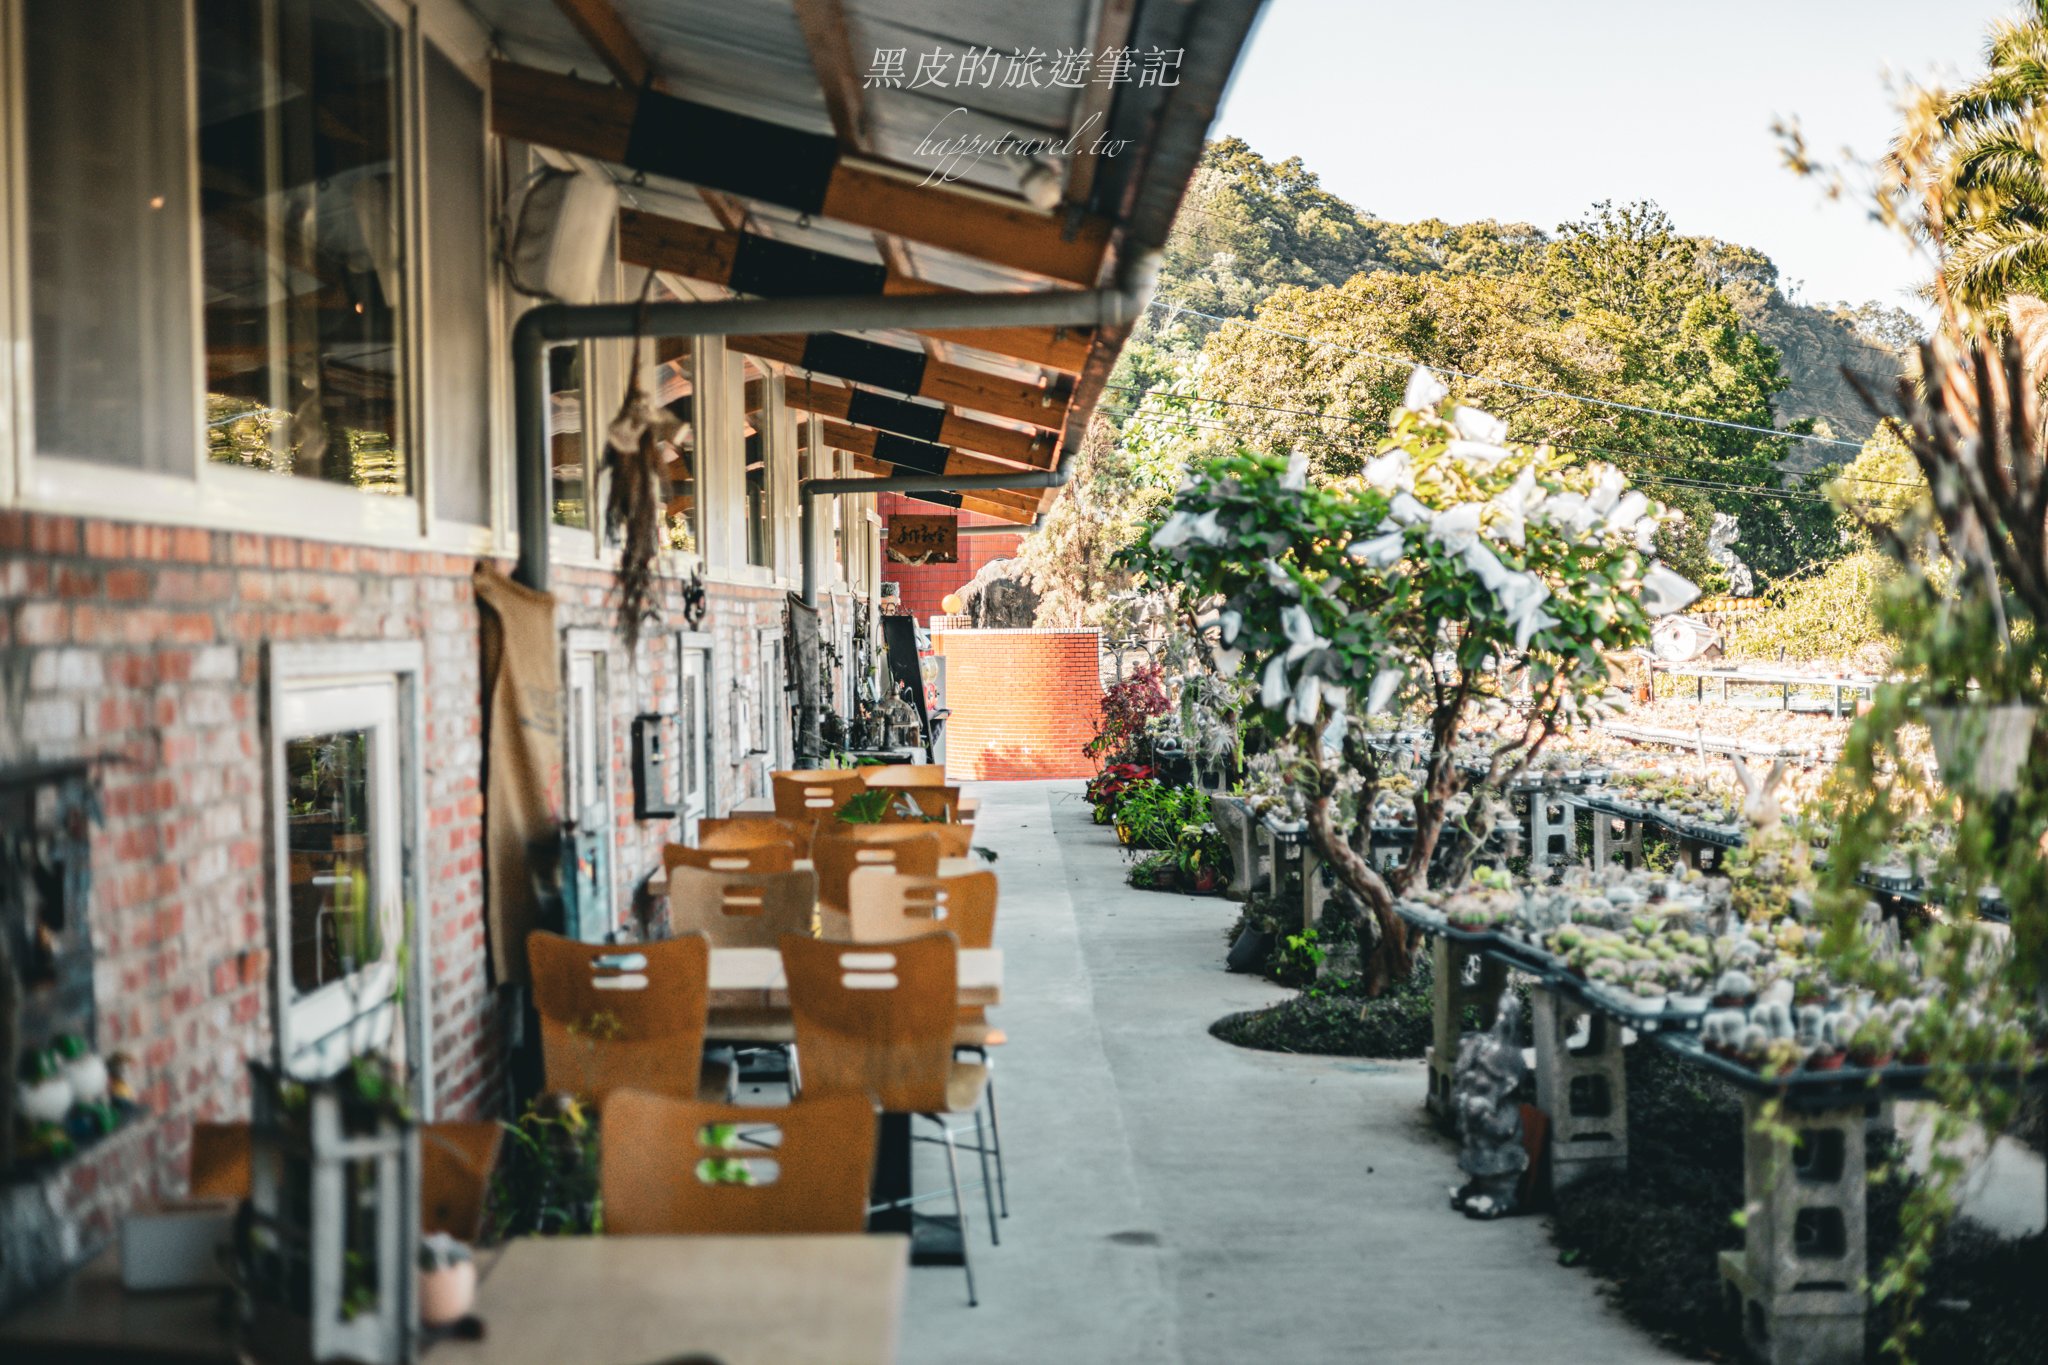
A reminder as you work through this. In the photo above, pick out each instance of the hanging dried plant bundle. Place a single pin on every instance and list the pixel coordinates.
(633, 509)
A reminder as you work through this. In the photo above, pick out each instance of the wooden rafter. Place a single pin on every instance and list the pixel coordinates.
(702, 253)
(865, 444)
(824, 28)
(1091, 110)
(610, 39)
(559, 111)
(915, 374)
(951, 429)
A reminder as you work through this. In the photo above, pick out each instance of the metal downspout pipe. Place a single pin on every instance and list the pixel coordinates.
(553, 323)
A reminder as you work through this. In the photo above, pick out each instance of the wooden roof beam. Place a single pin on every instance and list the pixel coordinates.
(937, 425)
(610, 39)
(646, 130)
(911, 372)
(748, 263)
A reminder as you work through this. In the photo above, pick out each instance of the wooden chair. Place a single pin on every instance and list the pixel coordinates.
(904, 775)
(885, 907)
(624, 1015)
(815, 793)
(456, 1163)
(924, 803)
(660, 1169)
(742, 909)
(768, 855)
(878, 1019)
(751, 827)
(841, 848)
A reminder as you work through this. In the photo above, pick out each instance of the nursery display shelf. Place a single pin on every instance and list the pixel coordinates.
(1847, 1084)
(1684, 826)
(1717, 744)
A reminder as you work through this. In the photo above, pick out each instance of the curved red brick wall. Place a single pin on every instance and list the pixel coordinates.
(1023, 702)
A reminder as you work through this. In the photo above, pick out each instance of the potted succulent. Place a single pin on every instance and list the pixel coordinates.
(447, 1280)
(1871, 1046)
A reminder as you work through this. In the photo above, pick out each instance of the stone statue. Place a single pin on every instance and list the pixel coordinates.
(1489, 1117)
(998, 597)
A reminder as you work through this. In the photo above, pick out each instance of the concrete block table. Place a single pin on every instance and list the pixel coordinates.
(1450, 995)
(1583, 1089)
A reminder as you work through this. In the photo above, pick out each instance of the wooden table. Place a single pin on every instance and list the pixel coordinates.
(769, 1300)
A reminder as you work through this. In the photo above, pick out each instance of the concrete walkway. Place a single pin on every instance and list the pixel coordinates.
(1177, 1199)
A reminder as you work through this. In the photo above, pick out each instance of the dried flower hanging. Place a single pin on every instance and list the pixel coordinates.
(633, 510)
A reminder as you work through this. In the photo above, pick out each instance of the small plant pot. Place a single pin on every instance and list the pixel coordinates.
(1685, 1004)
(447, 1295)
(1206, 881)
(1733, 1002)
(1871, 1061)
(1825, 1061)
(1251, 950)
(1917, 1058)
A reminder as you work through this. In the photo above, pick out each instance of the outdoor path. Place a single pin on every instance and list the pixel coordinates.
(1176, 1199)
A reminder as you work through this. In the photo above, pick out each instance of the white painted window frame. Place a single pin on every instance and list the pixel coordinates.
(218, 497)
(309, 689)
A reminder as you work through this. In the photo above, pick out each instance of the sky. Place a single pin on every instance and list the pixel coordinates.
(1531, 110)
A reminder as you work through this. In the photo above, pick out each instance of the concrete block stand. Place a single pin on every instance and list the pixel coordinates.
(1798, 1280)
(1450, 994)
(1583, 1090)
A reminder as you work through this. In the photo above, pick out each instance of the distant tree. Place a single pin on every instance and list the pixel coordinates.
(1071, 562)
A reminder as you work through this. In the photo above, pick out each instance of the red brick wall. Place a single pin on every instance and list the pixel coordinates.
(924, 585)
(1023, 702)
(148, 642)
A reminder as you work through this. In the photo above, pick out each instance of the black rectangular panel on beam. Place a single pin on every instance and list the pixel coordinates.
(920, 456)
(864, 362)
(942, 499)
(924, 421)
(726, 151)
(776, 270)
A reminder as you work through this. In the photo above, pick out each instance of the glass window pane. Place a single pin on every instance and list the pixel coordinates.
(304, 260)
(458, 294)
(334, 926)
(109, 238)
(760, 545)
(675, 388)
(565, 436)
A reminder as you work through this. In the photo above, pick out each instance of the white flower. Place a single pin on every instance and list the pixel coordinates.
(1475, 425)
(1476, 452)
(1424, 391)
(1572, 512)
(1381, 552)
(1628, 511)
(1406, 511)
(1646, 534)
(1392, 472)
(1296, 477)
(1385, 684)
(1307, 701)
(1608, 484)
(1273, 684)
(1665, 591)
(1231, 622)
(1512, 509)
(1490, 572)
(1281, 580)
(1455, 527)
(1528, 625)
(1174, 532)
(1228, 661)
(1301, 632)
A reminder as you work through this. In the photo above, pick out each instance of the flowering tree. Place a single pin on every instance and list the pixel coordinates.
(1455, 570)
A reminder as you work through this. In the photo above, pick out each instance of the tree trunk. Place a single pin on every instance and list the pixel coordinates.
(1391, 959)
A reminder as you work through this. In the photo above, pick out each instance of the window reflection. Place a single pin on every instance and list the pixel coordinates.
(760, 536)
(334, 928)
(565, 436)
(675, 388)
(302, 253)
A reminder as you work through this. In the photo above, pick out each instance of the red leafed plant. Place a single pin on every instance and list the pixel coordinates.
(1126, 707)
(1108, 787)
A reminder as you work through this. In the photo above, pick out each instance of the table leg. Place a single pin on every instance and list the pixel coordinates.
(1798, 1280)
(1449, 997)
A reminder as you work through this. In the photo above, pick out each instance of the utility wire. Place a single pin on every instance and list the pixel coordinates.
(1399, 362)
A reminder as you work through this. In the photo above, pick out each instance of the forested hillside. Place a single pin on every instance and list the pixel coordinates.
(1331, 304)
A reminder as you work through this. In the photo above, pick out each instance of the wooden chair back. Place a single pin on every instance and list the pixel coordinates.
(220, 1161)
(752, 827)
(621, 1015)
(661, 1165)
(924, 803)
(905, 775)
(815, 793)
(841, 848)
(742, 909)
(888, 906)
(456, 1162)
(768, 855)
(876, 1018)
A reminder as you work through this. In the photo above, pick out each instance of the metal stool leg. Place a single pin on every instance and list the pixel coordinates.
(995, 1133)
(959, 1206)
(988, 1187)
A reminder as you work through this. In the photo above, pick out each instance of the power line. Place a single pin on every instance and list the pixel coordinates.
(1400, 362)
(1138, 410)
